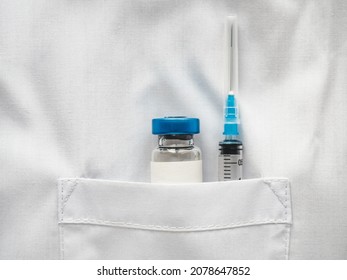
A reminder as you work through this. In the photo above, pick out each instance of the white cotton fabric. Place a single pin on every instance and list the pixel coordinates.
(80, 82)
(248, 219)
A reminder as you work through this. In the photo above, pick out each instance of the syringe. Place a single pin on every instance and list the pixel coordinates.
(230, 158)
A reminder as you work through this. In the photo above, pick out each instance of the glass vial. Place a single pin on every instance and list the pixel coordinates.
(176, 159)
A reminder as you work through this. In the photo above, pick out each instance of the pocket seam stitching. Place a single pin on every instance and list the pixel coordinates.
(269, 183)
(61, 219)
(159, 227)
(285, 205)
(68, 195)
(168, 228)
(64, 200)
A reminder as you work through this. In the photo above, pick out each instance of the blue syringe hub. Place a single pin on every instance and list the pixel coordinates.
(231, 116)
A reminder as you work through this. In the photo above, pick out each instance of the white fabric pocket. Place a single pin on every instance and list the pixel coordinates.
(248, 219)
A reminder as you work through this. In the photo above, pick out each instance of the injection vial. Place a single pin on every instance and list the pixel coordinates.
(176, 159)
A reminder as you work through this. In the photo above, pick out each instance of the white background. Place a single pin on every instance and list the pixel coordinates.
(258, 269)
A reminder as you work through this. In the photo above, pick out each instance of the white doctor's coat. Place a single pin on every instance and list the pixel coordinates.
(80, 82)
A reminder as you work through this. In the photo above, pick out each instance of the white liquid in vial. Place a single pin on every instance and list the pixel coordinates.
(176, 172)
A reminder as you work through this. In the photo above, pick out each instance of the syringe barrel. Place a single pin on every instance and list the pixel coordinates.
(230, 160)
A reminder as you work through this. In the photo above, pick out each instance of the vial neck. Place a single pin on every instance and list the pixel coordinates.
(176, 141)
(231, 137)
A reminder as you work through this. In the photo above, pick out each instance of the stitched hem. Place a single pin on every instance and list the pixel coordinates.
(61, 226)
(287, 242)
(63, 201)
(285, 203)
(170, 228)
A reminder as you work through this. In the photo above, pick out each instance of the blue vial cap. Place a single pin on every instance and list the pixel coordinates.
(175, 125)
